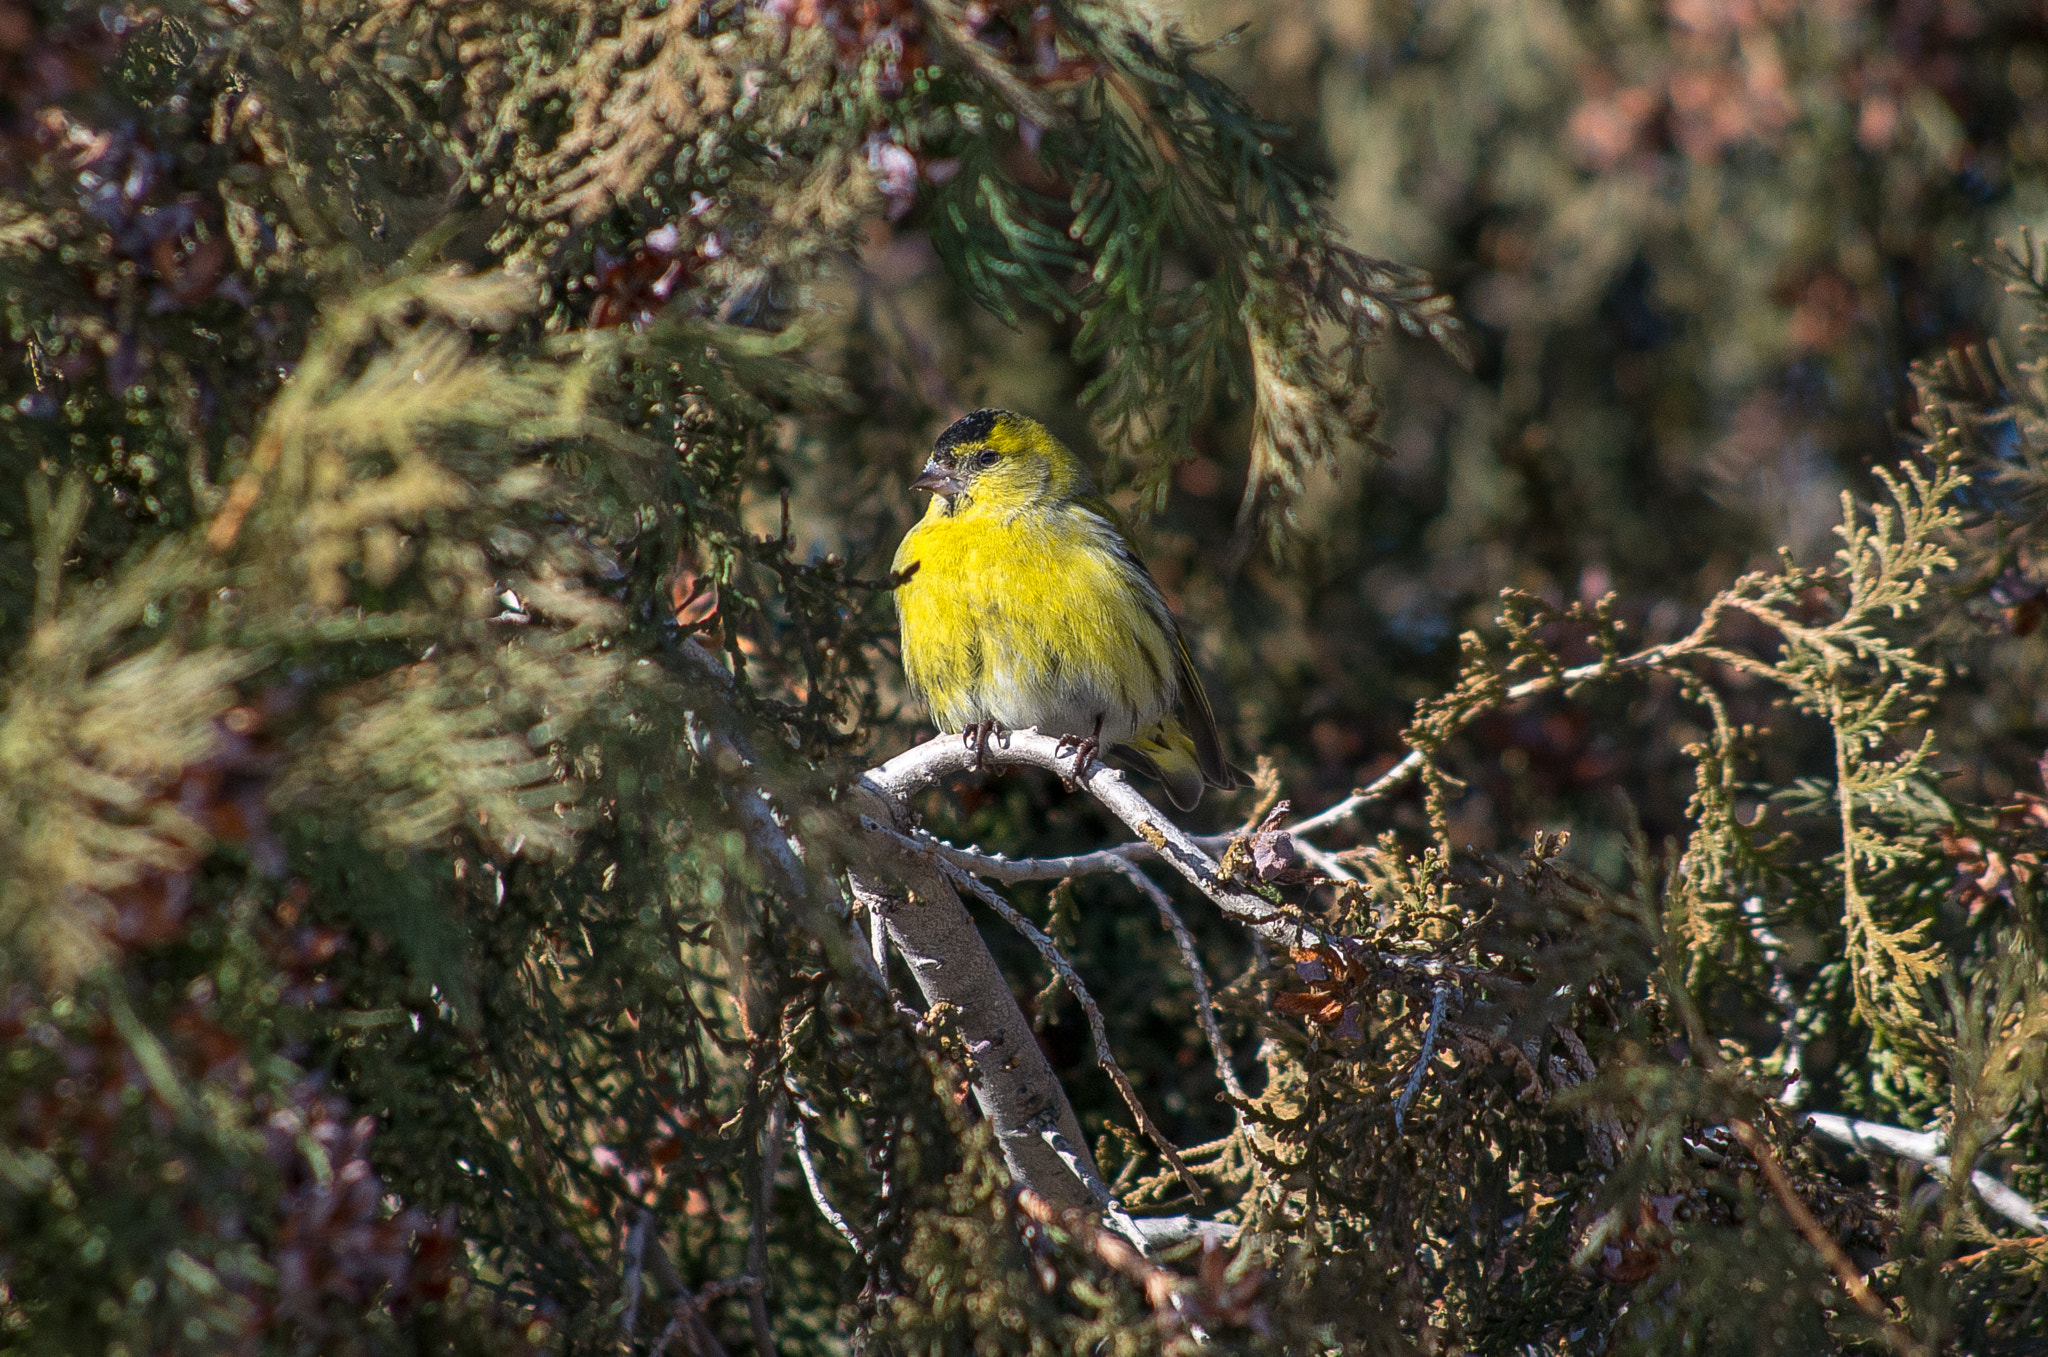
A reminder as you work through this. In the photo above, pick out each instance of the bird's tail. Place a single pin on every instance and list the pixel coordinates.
(1166, 753)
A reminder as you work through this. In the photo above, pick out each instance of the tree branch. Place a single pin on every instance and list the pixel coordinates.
(939, 758)
(895, 781)
(1773, 948)
(1693, 642)
(1825, 1244)
(831, 1213)
(636, 1255)
(1924, 1147)
(1071, 978)
(757, 1227)
(1430, 1034)
(1205, 1008)
(926, 922)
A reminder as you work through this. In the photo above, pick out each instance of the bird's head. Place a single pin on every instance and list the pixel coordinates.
(997, 460)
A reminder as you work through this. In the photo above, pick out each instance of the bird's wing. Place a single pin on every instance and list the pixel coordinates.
(1194, 699)
(1200, 719)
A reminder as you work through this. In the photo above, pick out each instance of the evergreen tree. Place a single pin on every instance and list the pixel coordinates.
(470, 881)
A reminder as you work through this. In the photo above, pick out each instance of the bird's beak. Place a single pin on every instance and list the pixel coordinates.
(939, 479)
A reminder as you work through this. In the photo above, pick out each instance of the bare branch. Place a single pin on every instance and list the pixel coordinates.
(636, 1257)
(1925, 1147)
(757, 1227)
(838, 1222)
(918, 909)
(1694, 642)
(921, 911)
(1011, 871)
(1322, 860)
(948, 754)
(1161, 1232)
(1773, 948)
(895, 781)
(1056, 959)
(1105, 1199)
(1437, 1002)
(1204, 1007)
(1382, 786)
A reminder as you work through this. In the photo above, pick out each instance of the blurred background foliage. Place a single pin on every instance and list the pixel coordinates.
(406, 400)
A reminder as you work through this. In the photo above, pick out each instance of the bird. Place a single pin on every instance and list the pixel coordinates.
(1022, 604)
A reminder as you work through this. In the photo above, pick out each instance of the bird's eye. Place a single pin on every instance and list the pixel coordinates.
(987, 459)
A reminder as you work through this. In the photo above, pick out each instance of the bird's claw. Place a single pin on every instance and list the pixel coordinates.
(976, 737)
(1083, 748)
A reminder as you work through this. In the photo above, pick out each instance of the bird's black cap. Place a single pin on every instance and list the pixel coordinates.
(969, 429)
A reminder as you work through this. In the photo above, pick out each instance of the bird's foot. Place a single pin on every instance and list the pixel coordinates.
(1083, 749)
(976, 737)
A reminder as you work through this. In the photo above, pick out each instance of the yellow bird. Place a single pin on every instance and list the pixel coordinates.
(1026, 606)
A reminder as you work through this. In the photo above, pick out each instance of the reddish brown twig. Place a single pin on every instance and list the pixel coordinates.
(1816, 1234)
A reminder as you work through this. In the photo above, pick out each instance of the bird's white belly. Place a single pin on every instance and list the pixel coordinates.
(1067, 705)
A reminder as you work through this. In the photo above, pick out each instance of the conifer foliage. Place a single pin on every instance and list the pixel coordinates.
(445, 452)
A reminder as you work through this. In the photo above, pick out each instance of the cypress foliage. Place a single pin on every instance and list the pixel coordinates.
(450, 456)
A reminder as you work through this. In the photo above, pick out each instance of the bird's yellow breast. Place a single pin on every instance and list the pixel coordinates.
(1037, 618)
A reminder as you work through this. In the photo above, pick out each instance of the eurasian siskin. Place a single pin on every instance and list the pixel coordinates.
(1025, 606)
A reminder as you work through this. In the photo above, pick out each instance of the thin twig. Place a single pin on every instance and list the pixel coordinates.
(1708, 1056)
(1049, 950)
(757, 1228)
(1924, 1147)
(1160, 1285)
(636, 1257)
(1112, 1210)
(1325, 862)
(1012, 871)
(1205, 1009)
(878, 942)
(804, 1112)
(1411, 763)
(1817, 1235)
(1773, 948)
(1147, 1235)
(1383, 785)
(1437, 1002)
